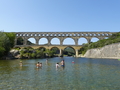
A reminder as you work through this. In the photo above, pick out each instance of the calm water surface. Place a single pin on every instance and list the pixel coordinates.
(83, 74)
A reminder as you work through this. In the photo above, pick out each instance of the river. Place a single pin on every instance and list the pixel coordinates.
(82, 74)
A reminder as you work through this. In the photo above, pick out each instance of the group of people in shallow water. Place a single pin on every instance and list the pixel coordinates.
(39, 65)
(62, 63)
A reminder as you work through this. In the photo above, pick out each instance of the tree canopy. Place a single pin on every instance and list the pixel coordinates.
(6, 42)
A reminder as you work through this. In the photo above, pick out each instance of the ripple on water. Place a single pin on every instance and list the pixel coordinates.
(83, 74)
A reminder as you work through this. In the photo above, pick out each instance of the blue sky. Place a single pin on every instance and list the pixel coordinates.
(59, 15)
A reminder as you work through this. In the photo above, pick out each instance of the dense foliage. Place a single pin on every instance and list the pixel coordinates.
(20, 42)
(115, 38)
(29, 52)
(69, 51)
(6, 42)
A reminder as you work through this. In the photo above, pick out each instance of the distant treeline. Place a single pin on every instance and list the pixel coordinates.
(115, 38)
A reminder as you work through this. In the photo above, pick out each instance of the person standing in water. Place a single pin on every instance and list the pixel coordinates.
(38, 65)
(46, 61)
(21, 63)
(57, 65)
(62, 63)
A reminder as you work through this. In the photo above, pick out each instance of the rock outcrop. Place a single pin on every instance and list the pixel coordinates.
(13, 54)
(108, 51)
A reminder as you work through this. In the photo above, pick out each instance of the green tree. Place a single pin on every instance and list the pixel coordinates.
(49, 53)
(4, 43)
(2, 50)
(20, 41)
(11, 37)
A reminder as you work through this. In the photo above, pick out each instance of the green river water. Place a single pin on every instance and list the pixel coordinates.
(83, 74)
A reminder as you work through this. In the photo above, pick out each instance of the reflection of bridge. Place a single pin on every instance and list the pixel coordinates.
(61, 36)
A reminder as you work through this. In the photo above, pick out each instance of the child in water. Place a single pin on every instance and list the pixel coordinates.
(57, 65)
(38, 65)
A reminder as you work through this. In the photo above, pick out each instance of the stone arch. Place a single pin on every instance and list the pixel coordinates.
(56, 49)
(20, 41)
(43, 41)
(17, 34)
(55, 41)
(69, 41)
(31, 41)
(61, 36)
(94, 39)
(82, 41)
(106, 37)
(69, 50)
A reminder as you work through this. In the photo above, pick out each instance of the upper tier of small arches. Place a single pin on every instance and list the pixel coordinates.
(63, 34)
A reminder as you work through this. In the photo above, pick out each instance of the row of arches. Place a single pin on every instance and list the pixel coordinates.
(68, 51)
(55, 41)
(58, 50)
(63, 34)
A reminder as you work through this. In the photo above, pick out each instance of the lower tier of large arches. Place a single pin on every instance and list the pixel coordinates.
(60, 47)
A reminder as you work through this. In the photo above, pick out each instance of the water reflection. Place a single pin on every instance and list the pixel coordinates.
(84, 74)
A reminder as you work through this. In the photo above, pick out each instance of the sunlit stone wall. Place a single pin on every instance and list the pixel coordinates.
(61, 36)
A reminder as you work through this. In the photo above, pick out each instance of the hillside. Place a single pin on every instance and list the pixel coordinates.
(115, 38)
(108, 51)
(106, 48)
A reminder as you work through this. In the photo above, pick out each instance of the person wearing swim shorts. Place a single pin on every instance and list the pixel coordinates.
(62, 63)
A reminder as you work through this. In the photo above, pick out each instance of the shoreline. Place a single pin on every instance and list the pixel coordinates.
(105, 57)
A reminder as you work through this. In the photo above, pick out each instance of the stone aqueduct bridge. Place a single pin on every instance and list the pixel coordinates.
(61, 36)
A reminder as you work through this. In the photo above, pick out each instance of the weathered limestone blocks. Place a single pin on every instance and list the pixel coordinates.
(109, 51)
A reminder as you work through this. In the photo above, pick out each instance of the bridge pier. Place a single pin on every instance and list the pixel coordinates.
(61, 53)
(15, 41)
(76, 53)
(37, 41)
(88, 40)
(25, 42)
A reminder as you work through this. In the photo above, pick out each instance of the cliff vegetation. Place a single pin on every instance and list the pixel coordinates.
(6, 42)
(115, 38)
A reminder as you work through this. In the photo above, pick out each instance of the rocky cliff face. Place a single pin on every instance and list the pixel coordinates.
(13, 54)
(109, 51)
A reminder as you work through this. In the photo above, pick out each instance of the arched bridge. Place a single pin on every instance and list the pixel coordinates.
(61, 36)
